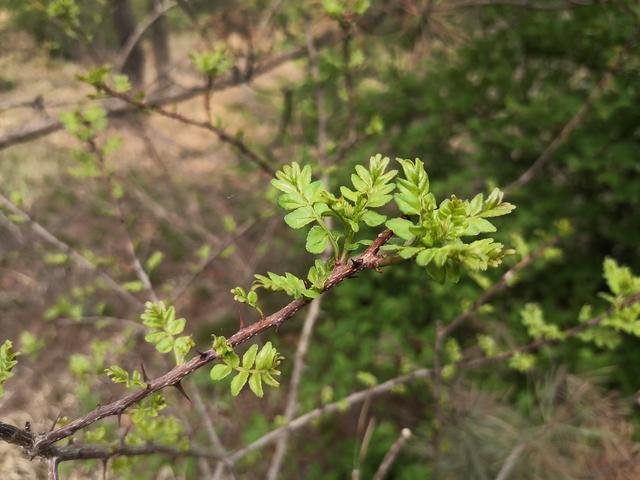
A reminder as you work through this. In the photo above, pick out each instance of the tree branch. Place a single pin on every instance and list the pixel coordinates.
(392, 454)
(117, 108)
(222, 135)
(368, 260)
(579, 117)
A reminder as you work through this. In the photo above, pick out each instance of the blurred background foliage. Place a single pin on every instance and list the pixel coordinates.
(478, 90)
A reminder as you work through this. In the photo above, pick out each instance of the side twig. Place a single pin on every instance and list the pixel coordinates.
(392, 454)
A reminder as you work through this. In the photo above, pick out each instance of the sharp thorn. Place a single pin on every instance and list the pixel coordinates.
(180, 388)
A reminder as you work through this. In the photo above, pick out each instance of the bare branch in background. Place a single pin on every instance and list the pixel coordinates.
(121, 216)
(222, 135)
(116, 108)
(581, 114)
(391, 456)
(143, 26)
(74, 255)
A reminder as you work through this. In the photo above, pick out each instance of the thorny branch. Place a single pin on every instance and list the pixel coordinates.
(368, 260)
(24, 439)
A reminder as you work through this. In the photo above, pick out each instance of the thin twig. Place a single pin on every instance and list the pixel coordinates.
(158, 11)
(392, 454)
(213, 436)
(222, 135)
(117, 205)
(511, 461)
(206, 263)
(528, 4)
(116, 108)
(568, 128)
(294, 389)
(338, 406)
(52, 468)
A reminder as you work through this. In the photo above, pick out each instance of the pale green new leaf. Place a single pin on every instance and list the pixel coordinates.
(220, 371)
(249, 356)
(255, 384)
(300, 217)
(317, 240)
(238, 382)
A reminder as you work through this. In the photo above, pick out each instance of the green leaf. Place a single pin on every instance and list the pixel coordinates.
(300, 217)
(255, 384)
(155, 337)
(317, 240)
(413, 189)
(117, 374)
(425, 256)
(478, 225)
(475, 205)
(373, 219)
(409, 252)
(238, 382)
(154, 260)
(249, 356)
(181, 347)
(165, 345)
(175, 326)
(133, 286)
(121, 83)
(265, 358)
(401, 228)
(502, 209)
(269, 380)
(220, 371)
(232, 359)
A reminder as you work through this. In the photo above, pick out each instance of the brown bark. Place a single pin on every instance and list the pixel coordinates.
(124, 23)
(160, 45)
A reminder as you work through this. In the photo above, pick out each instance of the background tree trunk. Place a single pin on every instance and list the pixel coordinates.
(160, 45)
(125, 24)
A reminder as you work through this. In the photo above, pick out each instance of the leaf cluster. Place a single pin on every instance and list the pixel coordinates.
(7, 362)
(120, 375)
(165, 330)
(258, 367)
(212, 63)
(433, 233)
